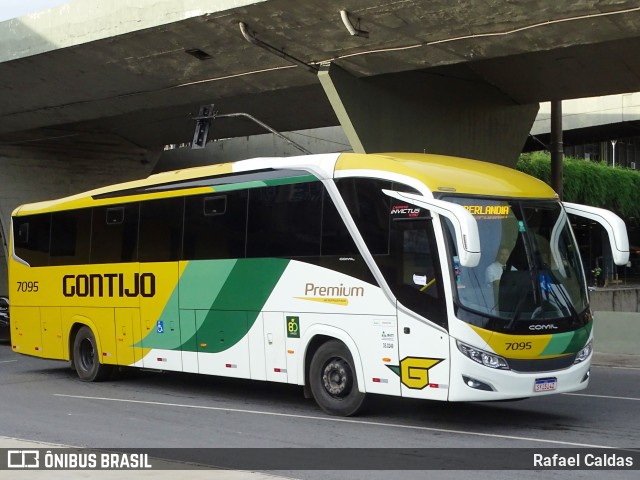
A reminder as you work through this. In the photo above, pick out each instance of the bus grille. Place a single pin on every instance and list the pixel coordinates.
(541, 365)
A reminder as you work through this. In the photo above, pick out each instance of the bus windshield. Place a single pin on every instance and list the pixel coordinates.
(530, 268)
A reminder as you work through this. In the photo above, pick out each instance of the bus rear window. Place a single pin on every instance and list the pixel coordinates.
(32, 239)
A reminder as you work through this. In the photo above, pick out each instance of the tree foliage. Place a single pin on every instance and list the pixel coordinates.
(590, 183)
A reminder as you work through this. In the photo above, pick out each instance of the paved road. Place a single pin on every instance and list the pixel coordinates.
(43, 401)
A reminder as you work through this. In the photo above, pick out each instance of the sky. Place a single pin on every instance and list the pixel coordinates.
(16, 8)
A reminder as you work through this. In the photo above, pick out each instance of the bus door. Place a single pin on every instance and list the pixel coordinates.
(424, 358)
(417, 283)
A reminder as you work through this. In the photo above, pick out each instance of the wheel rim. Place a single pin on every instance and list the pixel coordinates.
(86, 354)
(337, 378)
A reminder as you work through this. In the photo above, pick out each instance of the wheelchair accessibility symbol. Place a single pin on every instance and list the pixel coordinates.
(160, 326)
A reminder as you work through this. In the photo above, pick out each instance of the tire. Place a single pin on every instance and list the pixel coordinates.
(333, 380)
(86, 359)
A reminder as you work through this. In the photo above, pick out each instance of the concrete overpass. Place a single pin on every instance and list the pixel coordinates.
(89, 69)
(91, 91)
(589, 125)
(592, 121)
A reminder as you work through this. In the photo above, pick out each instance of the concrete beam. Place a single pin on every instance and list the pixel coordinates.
(590, 112)
(89, 21)
(419, 112)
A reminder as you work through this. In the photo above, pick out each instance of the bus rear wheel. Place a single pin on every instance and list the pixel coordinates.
(333, 380)
(86, 359)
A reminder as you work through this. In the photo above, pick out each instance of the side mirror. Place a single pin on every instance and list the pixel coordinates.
(465, 226)
(612, 223)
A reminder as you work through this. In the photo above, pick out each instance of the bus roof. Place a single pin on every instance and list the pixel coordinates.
(442, 173)
(438, 172)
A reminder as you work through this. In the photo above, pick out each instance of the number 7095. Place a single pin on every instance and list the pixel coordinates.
(27, 286)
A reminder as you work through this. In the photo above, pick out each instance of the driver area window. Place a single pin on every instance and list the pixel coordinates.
(401, 239)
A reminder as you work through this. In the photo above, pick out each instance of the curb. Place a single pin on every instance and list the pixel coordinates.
(615, 360)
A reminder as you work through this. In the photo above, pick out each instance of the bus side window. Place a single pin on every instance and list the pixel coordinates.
(369, 208)
(23, 234)
(336, 239)
(284, 220)
(114, 236)
(404, 250)
(115, 215)
(215, 226)
(417, 282)
(33, 238)
(160, 234)
(338, 251)
(70, 237)
(215, 206)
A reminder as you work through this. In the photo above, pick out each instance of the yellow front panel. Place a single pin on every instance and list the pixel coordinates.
(503, 344)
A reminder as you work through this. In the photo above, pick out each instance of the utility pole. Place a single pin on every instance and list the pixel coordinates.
(613, 146)
(556, 147)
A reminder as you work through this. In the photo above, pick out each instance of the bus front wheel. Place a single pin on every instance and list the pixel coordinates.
(86, 359)
(333, 380)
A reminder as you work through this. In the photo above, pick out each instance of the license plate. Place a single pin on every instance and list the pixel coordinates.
(545, 384)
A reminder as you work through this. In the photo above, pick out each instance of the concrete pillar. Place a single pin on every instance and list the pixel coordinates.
(422, 112)
(557, 147)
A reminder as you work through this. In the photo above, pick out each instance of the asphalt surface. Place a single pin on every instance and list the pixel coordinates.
(43, 401)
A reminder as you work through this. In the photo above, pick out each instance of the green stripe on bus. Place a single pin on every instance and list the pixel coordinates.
(201, 282)
(227, 297)
(249, 284)
(230, 187)
(290, 180)
(579, 339)
(264, 183)
(569, 342)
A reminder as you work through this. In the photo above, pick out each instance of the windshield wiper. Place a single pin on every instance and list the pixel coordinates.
(567, 301)
(516, 314)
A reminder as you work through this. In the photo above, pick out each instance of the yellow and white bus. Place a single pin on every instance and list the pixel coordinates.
(412, 275)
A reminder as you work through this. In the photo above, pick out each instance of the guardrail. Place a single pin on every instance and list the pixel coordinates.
(618, 299)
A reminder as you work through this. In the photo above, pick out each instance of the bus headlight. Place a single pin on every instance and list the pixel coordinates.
(484, 358)
(584, 353)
